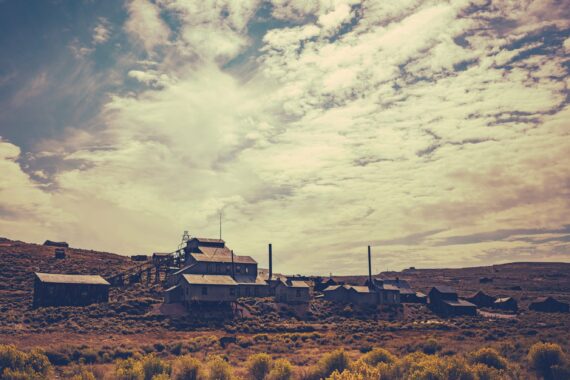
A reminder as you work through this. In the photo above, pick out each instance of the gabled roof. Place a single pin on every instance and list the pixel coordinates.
(361, 289)
(71, 279)
(216, 251)
(297, 284)
(445, 289)
(504, 299)
(335, 287)
(389, 287)
(209, 279)
(223, 258)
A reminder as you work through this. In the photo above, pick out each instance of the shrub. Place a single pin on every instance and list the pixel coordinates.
(219, 369)
(543, 356)
(152, 366)
(490, 357)
(378, 355)
(187, 368)
(162, 376)
(281, 370)
(128, 369)
(258, 366)
(15, 364)
(333, 361)
(430, 347)
(484, 372)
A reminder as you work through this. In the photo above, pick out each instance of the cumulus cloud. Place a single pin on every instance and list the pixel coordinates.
(436, 131)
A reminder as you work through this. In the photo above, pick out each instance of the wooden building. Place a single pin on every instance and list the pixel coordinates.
(444, 301)
(549, 305)
(481, 299)
(69, 290)
(362, 295)
(506, 303)
(292, 291)
(337, 293)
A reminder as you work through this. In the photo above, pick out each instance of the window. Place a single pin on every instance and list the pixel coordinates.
(204, 290)
(238, 269)
(228, 269)
(246, 269)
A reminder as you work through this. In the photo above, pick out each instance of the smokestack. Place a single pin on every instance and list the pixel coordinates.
(370, 284)
(270, 262)
(233, 265)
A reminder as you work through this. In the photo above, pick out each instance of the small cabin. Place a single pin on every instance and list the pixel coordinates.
(549, 305)
(292, 291)
(362, 295)
(69, 290)
(337, 293)
(481, 299)
(443, 300)
(506, 303)
(206, 288)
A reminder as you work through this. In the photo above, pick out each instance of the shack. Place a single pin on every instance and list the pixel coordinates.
(292, 291)
(204, 288)
(506, 303)
(362, 295)
(549, 305)
(59, 244)
(443, 300)
(481, 299)
(69, 290)
(388, 289)
(337, 293)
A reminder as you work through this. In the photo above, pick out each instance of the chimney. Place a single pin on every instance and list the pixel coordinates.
(233, 265)
(370, 283)
(270, 262)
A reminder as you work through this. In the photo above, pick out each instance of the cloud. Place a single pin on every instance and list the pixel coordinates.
(101, 32)
(145, 26)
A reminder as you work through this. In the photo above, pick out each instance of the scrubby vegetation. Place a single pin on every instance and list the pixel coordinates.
(547, 360)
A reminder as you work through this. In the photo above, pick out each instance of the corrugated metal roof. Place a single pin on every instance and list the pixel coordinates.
(71, 279)
(209, 279)
(223, 258)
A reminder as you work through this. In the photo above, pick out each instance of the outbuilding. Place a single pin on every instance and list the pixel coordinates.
(69, 290)
(443, 300)
(506, 303)
(549, 305)
(481, 299)
(292, 291)
(337, 293)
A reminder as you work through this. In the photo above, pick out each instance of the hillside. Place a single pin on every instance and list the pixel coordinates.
(136, 321)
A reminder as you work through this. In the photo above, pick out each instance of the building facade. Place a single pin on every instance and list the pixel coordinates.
(69, 290)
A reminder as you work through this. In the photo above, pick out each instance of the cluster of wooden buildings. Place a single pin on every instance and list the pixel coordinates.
(206, 272)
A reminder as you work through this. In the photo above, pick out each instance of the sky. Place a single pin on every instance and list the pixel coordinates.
(435, 131)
